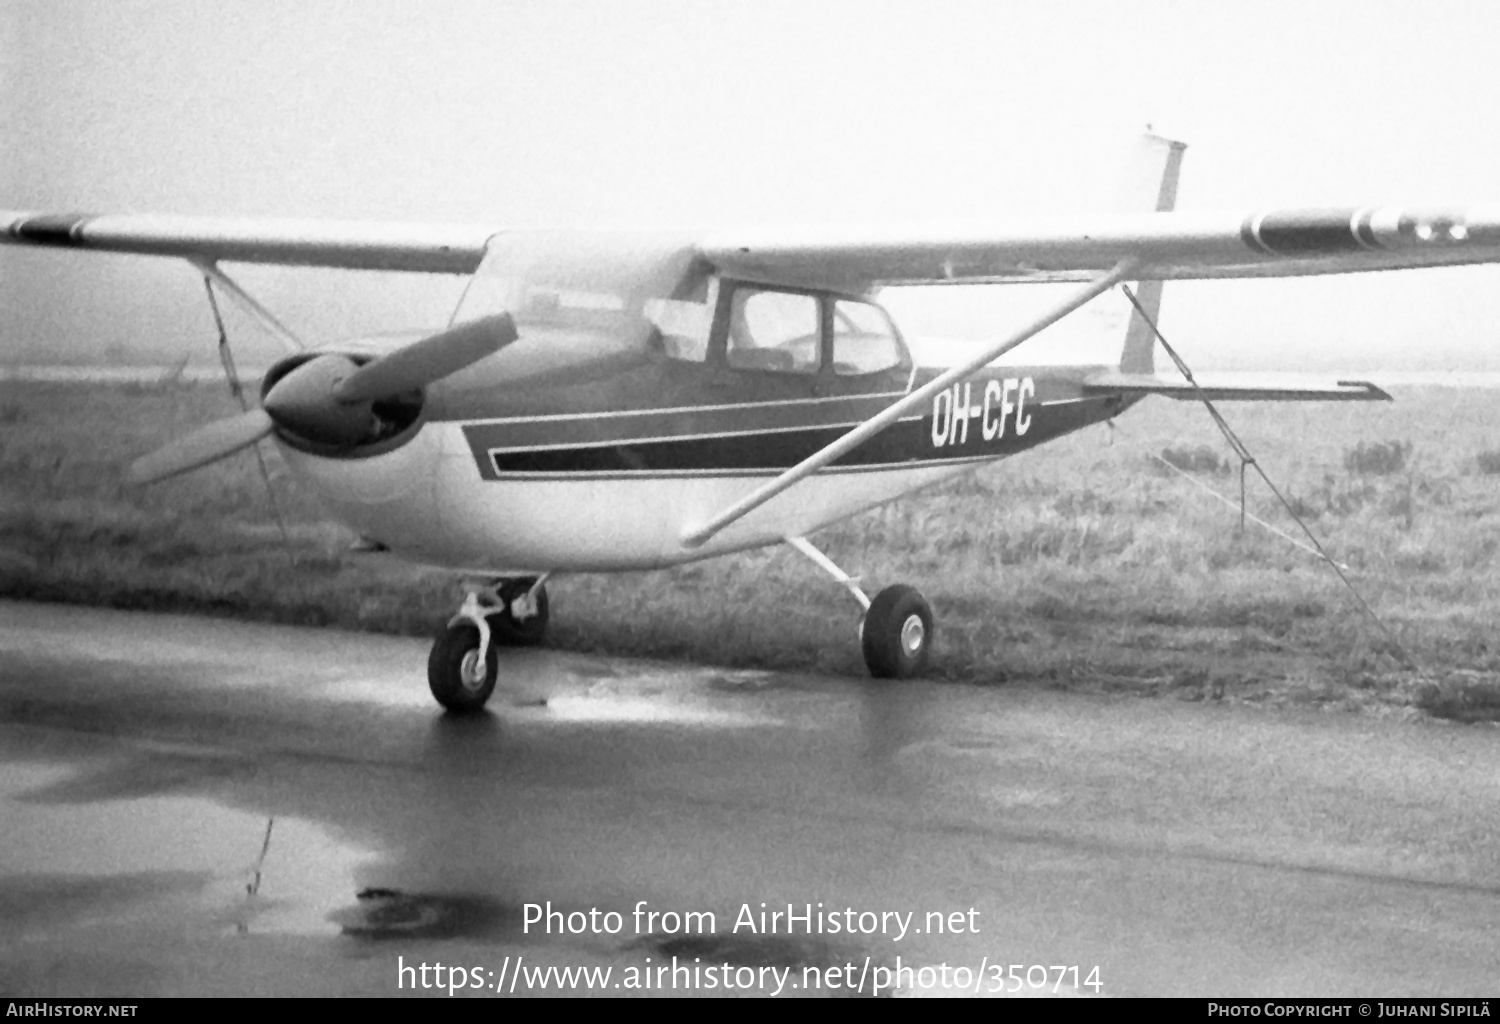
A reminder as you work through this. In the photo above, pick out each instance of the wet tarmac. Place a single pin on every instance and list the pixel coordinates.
(205, 807)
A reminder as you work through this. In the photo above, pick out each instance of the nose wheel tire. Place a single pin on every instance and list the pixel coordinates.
(897, 633)
(519, 631)
(459, 679)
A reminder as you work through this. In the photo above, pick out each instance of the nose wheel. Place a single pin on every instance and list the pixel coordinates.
(461, 672)
(465, 664)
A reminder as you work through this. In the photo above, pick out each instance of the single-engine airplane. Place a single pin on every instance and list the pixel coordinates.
(629, 400)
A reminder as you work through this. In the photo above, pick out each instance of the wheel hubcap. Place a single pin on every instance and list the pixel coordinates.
(471, 671)
(913, 633)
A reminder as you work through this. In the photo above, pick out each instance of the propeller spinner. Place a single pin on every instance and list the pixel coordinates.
(328, 398)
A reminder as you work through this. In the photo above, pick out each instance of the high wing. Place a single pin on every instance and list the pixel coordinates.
(1164, 246)
(352, 245)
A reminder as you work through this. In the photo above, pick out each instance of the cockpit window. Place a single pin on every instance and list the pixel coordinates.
(685, 323)
(863, 339)
(771, 330)
(563, 307)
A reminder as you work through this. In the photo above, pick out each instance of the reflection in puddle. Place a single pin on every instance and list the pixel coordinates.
(689, 698)
(305, 874)
(393, 914)
(609, 707)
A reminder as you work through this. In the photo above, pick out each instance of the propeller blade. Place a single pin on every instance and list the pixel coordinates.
(430, 359)
(201, 447)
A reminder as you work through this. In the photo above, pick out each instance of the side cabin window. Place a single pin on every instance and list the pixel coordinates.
(863, 339)
(685, 324)
(772, 330)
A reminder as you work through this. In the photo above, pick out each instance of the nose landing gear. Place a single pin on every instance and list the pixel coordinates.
(462, 669)
(464, 664)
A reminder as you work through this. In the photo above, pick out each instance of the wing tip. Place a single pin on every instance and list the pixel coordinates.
(1375, 392)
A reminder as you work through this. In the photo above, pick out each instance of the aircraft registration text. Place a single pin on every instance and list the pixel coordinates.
(953, 408)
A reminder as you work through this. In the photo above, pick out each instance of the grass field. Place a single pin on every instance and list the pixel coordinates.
(1084, 565)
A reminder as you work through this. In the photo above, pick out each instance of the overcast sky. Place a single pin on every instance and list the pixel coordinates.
(715, 113)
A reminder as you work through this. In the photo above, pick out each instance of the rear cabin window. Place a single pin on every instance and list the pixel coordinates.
(775, 331)
(863, 339)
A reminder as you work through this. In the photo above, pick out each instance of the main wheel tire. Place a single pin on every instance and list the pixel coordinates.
(506, 629)
(457, 679)
(897, 633)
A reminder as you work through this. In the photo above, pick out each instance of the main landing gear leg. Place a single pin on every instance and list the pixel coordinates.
(896, 632)
(465, 664)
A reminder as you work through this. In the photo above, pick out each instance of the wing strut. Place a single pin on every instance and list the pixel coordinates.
(232, 373)
(1246, 459)
(264, 316)
(1100, 284)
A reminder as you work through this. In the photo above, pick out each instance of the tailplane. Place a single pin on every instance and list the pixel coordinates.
(1150, 183)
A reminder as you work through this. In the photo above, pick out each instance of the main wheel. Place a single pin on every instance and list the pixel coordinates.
(459, 679)
(506, 629)
(897, 633)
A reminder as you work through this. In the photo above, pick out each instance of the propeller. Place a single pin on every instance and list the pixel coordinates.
(202, 446)
(422, 362)
(328, 398)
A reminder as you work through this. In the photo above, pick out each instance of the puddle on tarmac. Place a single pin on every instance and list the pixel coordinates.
(794, 951)
(306, 874)
(379, 693)
(744, 681)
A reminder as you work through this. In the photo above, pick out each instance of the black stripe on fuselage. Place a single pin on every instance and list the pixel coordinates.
(905, 443)
(612, 427)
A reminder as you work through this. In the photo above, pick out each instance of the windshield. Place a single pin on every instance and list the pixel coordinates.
(595, 290)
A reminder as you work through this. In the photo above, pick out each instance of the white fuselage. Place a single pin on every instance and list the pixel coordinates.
(427, 501)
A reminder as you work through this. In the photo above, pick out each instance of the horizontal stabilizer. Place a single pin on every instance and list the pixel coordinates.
(1238, 389)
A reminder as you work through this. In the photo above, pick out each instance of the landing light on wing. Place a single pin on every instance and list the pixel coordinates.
(328, 397)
